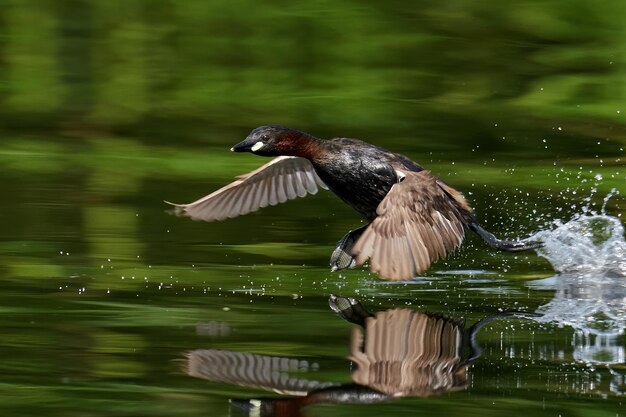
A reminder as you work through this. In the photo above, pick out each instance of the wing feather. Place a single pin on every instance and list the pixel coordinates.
(421, 219)
(280, 188)
(251, 370)
(282, 179)
(301, 184)
(248, 199)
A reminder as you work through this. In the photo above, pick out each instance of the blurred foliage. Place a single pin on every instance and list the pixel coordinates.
(428, 74)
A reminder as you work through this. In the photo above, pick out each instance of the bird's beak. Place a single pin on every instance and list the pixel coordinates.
(244, 146)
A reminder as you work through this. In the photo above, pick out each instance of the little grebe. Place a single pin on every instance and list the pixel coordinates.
(414, 218)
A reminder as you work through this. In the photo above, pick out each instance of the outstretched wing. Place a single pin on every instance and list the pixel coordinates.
(283, 178)
(421, 219)
(251, 370)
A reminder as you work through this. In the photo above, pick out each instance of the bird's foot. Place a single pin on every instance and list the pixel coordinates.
(350, 309)
(341, 257)
(505, 245)
(518, 246)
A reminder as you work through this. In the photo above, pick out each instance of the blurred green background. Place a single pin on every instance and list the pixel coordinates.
(432, 75)
(108, 107)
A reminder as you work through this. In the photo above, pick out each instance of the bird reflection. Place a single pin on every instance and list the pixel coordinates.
(396, 353)
(402, 352)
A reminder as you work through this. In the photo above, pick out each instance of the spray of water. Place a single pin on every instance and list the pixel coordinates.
(589, 252)
(588, 244)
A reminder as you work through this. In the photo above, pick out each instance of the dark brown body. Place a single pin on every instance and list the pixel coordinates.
(359, 173)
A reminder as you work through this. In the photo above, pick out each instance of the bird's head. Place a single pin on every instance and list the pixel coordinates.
(272, 141)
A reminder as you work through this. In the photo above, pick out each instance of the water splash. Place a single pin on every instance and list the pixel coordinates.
(595, 307)
(590, 254)
(588, 244)
(592, 304)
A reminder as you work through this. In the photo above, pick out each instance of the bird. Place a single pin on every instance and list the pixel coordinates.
(413, 218)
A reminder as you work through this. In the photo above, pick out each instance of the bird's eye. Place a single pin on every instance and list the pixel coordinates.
(265, 137)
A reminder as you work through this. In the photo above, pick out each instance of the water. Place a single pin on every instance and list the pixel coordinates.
(590, 252)
(589, 245)
(107, 109)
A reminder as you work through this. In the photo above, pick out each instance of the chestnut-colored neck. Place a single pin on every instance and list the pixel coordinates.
(300, 144)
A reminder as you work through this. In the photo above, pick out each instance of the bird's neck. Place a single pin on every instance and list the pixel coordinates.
(302, 145)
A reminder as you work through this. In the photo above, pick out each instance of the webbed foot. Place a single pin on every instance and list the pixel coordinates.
(341, 257)
(350, 309)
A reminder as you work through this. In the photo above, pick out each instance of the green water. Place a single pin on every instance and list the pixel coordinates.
(108, 108)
